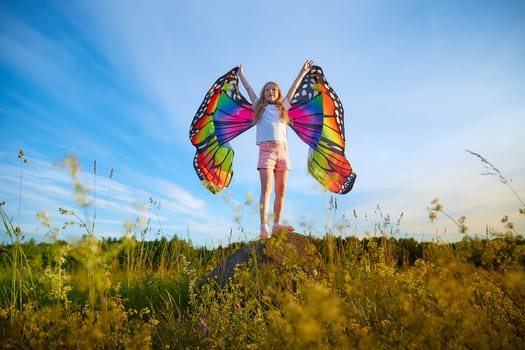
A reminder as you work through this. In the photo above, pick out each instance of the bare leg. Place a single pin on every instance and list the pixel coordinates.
(264, 201)
(281, 178)
(280, 191)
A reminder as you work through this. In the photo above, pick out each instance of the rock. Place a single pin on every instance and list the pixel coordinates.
(285, 250)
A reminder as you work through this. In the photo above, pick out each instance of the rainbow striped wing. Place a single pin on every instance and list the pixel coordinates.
(317, 117)
(223, 114)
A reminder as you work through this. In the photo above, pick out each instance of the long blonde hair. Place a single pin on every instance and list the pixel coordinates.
(262, 103)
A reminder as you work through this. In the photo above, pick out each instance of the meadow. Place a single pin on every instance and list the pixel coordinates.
(376, 292)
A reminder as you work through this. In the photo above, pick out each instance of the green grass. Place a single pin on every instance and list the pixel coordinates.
(378, 293)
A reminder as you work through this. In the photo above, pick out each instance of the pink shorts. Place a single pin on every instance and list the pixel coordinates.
(273, 155)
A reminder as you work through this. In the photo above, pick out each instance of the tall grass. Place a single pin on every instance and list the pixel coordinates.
(377, 292)
(22, 283)
(21, 286)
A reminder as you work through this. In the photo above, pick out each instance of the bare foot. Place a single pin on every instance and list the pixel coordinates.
(279, 228)
(264, 232)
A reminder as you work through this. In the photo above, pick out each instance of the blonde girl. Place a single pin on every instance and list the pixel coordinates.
(270, 114)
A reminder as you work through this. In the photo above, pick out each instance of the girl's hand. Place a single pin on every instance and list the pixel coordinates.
(308, 65)
(304, 69)
(246, 85)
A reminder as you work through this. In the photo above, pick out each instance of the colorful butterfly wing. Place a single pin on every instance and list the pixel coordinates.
(317, 117)
(223, 114)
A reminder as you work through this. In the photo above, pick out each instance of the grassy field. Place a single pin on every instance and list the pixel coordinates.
(368, 293)
(378, 292)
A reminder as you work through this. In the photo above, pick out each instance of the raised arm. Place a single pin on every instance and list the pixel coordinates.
(304, 69)
(246, 85)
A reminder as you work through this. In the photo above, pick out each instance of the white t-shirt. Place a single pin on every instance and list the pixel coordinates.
(270, 127)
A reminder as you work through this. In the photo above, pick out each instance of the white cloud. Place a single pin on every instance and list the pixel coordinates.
(47, 187)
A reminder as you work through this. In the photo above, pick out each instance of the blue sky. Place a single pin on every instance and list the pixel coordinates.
(120, 81)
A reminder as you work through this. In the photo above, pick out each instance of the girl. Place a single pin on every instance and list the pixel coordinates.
(270, 113)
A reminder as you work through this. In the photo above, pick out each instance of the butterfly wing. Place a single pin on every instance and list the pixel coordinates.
(223, 114)
(317, 117)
